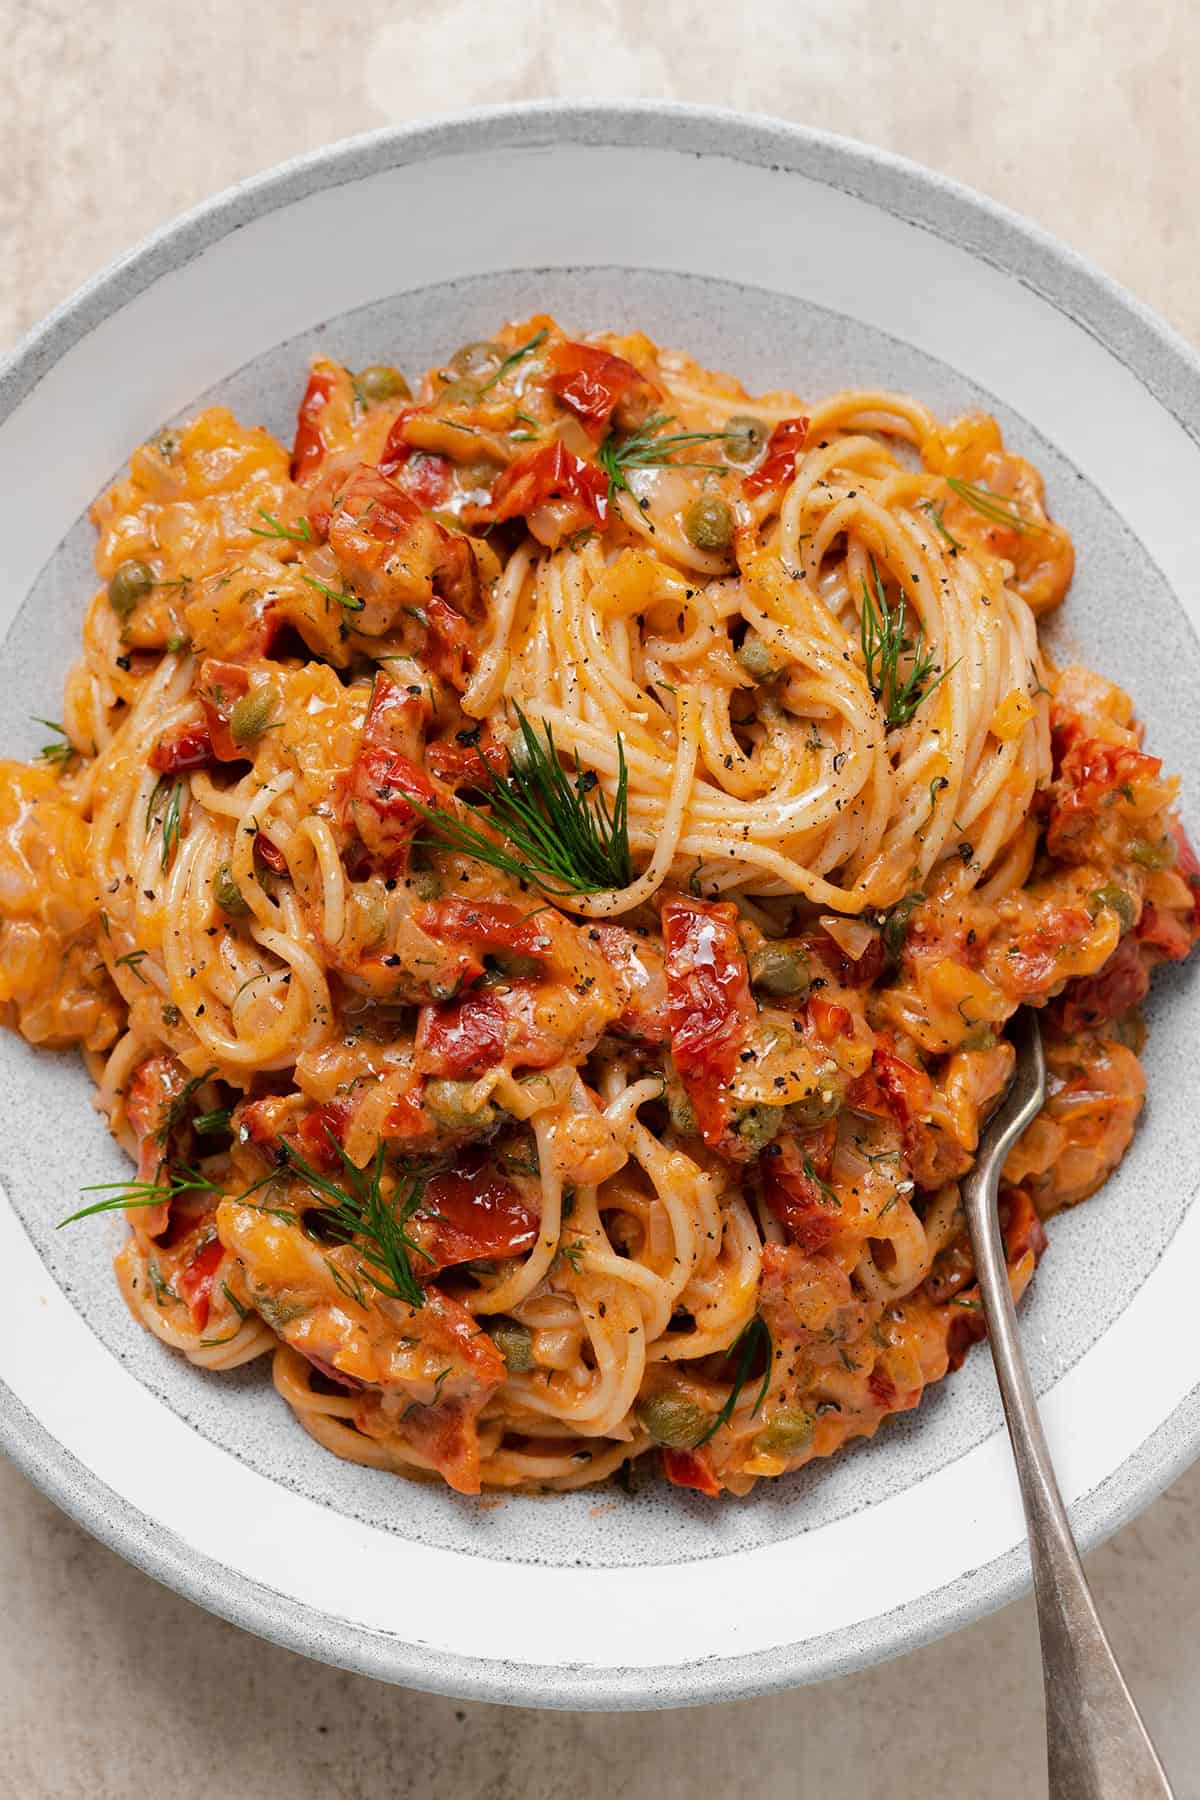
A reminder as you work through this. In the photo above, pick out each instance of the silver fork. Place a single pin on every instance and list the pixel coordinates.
(1097, 1745)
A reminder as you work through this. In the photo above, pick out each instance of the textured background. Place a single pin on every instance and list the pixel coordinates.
(1082, 114)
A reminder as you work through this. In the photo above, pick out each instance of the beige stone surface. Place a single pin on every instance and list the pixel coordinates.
(1081, 113)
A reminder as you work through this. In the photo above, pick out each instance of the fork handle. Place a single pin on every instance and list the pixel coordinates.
(1097, 1746)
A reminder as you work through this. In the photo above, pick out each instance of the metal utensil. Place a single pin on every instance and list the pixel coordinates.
(1098, 1747)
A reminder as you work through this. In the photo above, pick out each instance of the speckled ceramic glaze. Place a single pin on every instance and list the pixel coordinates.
(833, 266)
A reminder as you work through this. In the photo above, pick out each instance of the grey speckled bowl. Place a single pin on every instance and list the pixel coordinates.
(834, 266)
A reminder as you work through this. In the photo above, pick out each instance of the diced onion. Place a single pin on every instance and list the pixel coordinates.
(852, 937)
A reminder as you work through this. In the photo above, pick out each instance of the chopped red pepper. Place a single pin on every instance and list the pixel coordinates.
(1033, 964)
(467, 765)
(220, 686)
(270, 855)
(1124, 981)
(793, 1179)
(461, 1037)
(322, 1130)
(397, 450)
(593, 383)
(691, 1469)
(779, 463)
(551, 473)
(1092, 774)
(486, 925)
(709, 1005)
(829, 1019)
(475, 1212)
(194, 1282)
(187, 747)
(154, 1087)
(309, 447)
(641, 980)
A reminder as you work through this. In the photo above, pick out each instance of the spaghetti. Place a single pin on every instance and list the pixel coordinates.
(539, 875)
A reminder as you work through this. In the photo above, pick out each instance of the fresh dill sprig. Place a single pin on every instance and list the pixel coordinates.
(132, 961)
(516, 356)
(351, 602)
(165, 800)
(573, 1253)
(881, 633)
(565, 837)
(212, 1124)
(130, 1195)
(828, 1194)
(358, 1212)
(351, 1286)
(302, 534)
(938, 523)
(60, 752)
(647, 448)
(755, 1335)
(992, 507)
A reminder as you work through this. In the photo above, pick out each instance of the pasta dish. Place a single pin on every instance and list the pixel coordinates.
(539, 872)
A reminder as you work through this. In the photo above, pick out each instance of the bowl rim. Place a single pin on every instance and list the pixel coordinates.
(1158, 358)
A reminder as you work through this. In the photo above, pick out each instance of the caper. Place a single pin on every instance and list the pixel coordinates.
(1158, 855)
(758, 1125)
(1116, 900)
(708, 523)
(672, 1420)
(447, 1101)
(821, 1103)
(759, 659)
(252, 714)
(744, 438)
(780, 969)
(228, 895)
(476, 359)
(683, 1113)
(380, 382)
(789, 1431)
(514, 1343)
(460, 393)
(425, 884)
(127, 584)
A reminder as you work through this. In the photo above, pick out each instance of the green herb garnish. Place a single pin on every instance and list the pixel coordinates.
(647, 448)
(514, 357)
(132, 961)
(893, 927)
(881, 633)
(60, 752)
(165, 799)
(302, 535)
(351, 602)
(358, 1212)
(564, 835)
(936, 520)
(351, 1286)
(755, 1335)
(828, 1195)
(573, 1253)
(212, 1124)
(130, 1195)
(991, 506)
